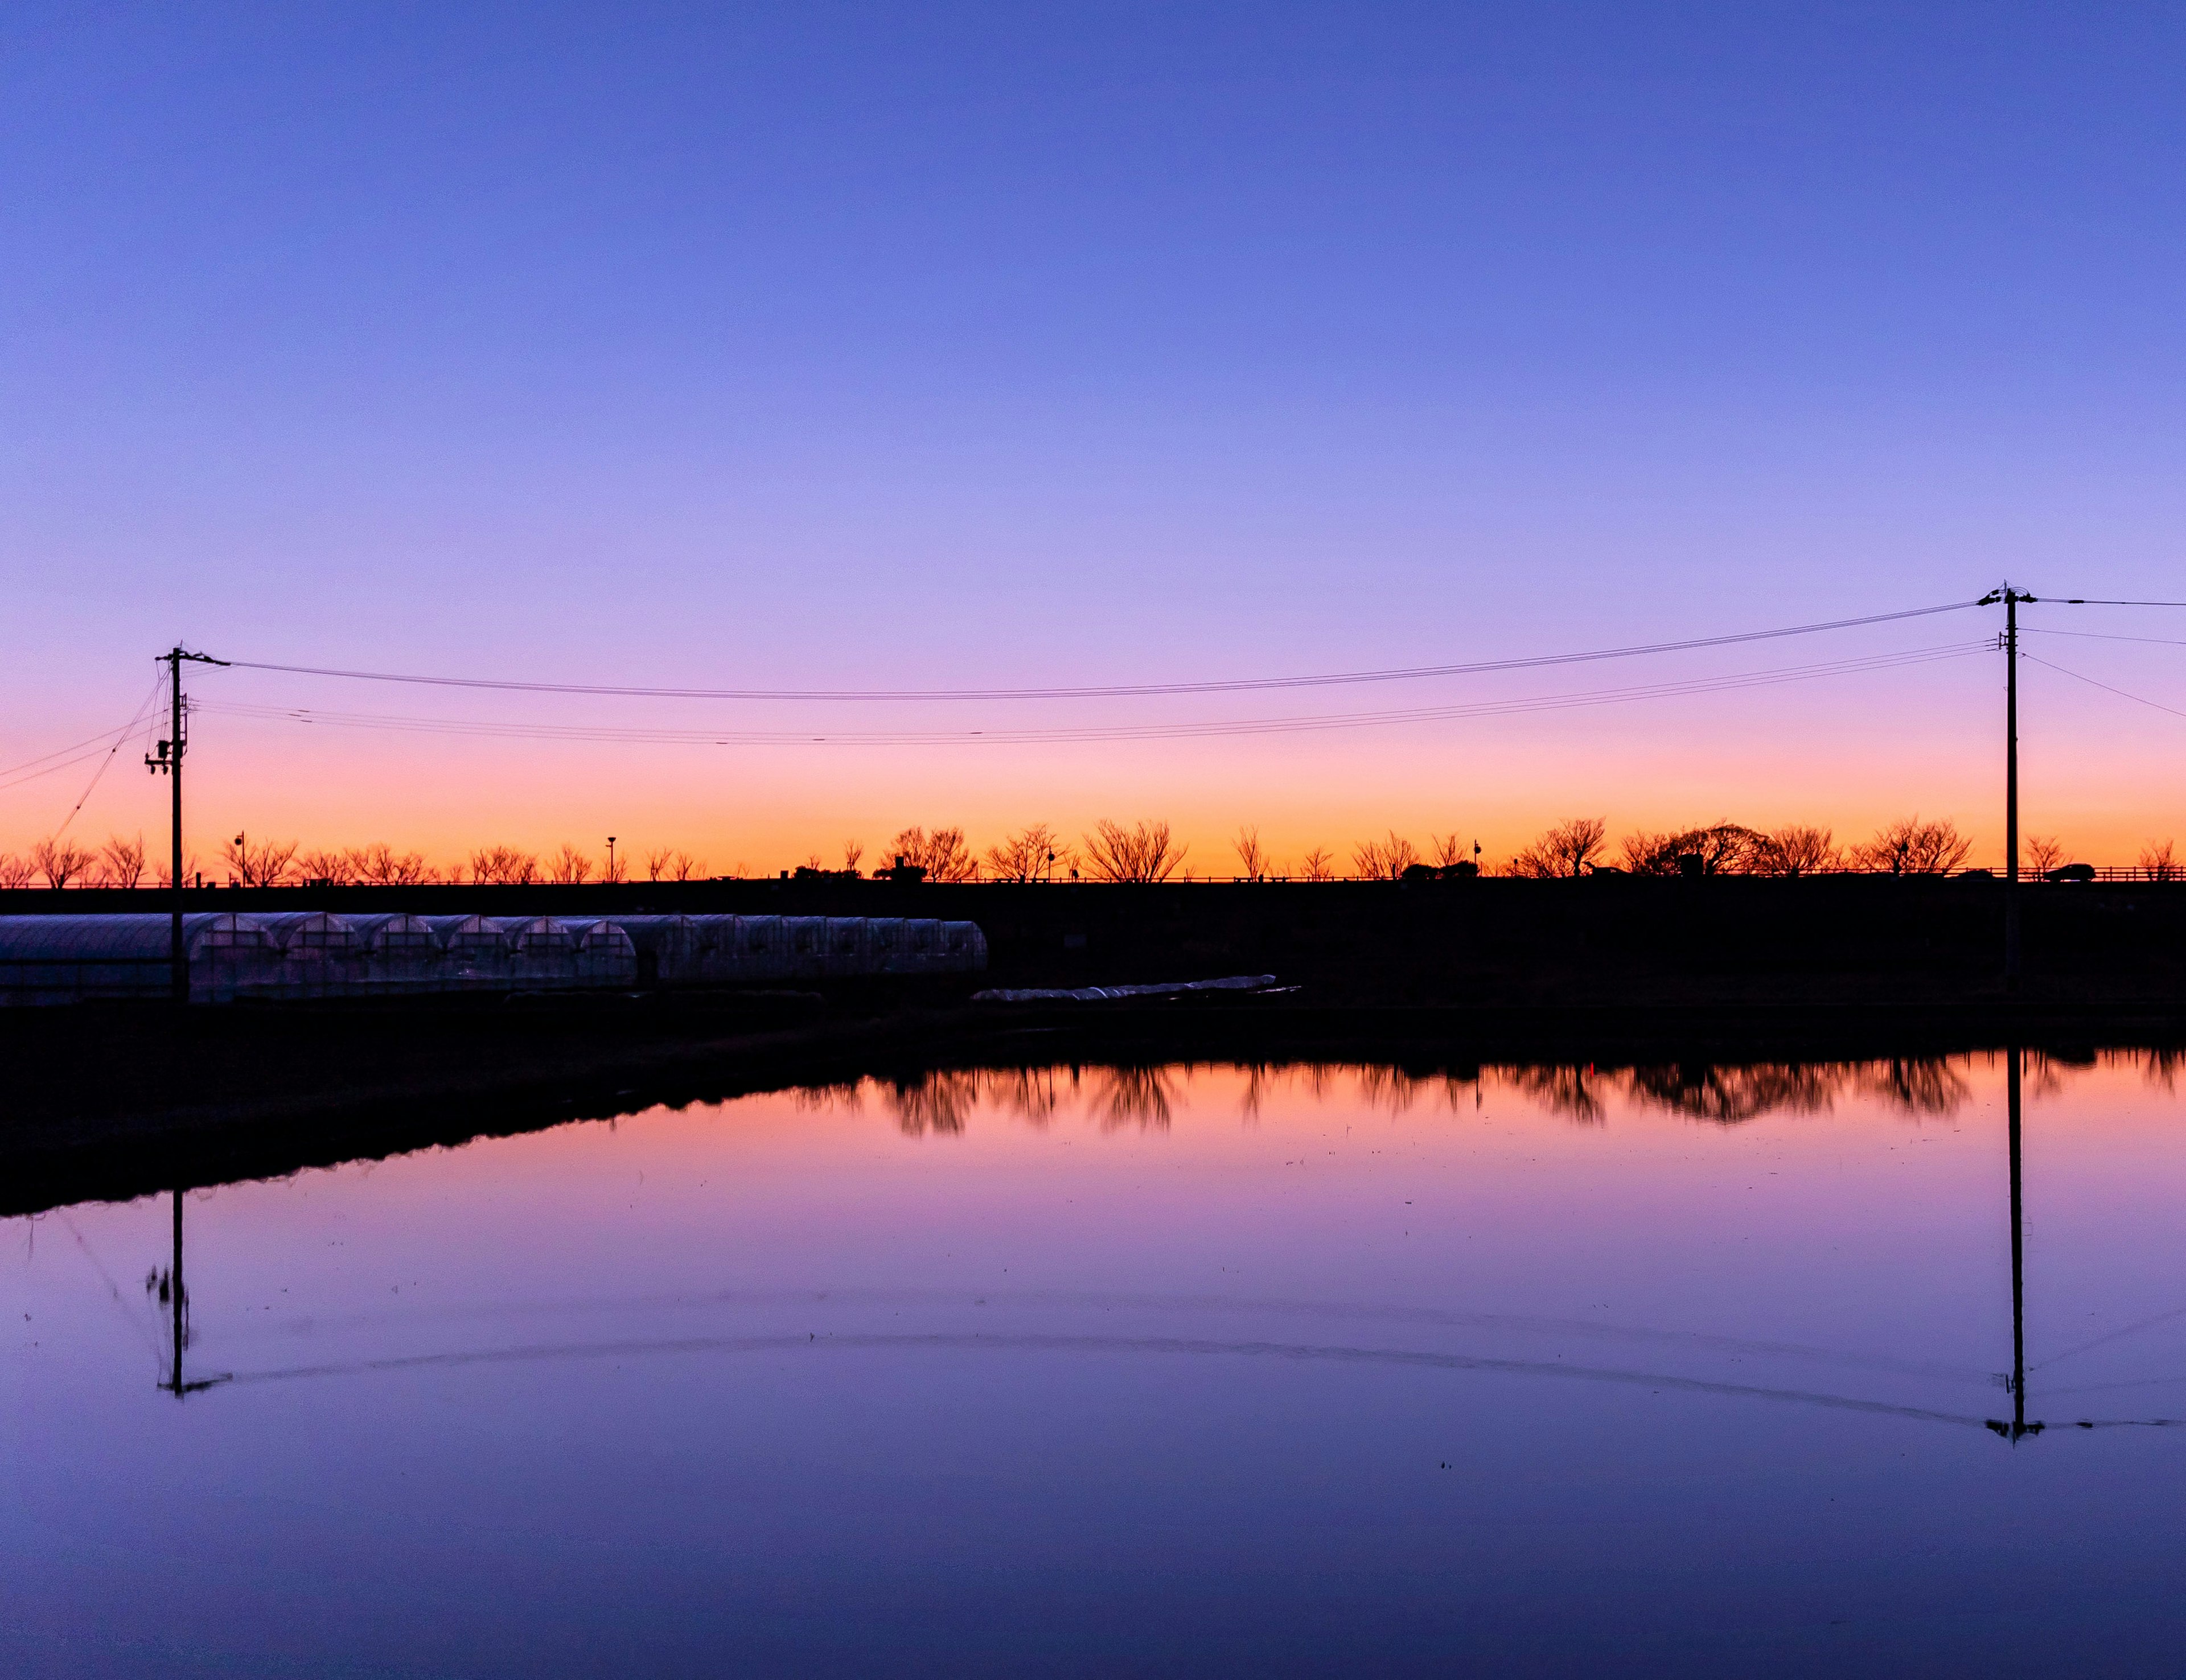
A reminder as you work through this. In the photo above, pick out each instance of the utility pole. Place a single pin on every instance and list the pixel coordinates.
(2010, 597)
(169, 759)
(2011, 797)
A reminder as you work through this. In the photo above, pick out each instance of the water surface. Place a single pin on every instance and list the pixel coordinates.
(1683, 1370)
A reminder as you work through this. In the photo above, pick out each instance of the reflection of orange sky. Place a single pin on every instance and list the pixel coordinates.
(1079, 1167)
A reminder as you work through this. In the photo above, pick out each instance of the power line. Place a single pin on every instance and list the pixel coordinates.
(1224, 727)
(2141, 699)
(143, 711)
(2102, 635)
(97, 743)
(1111, 691)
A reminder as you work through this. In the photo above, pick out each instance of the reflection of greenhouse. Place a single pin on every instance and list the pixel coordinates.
(66, 958)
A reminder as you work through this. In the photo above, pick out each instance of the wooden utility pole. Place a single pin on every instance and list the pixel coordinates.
(169, 759)
(2010, 598)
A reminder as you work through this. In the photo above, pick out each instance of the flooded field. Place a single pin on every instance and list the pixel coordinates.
(1672, 1370)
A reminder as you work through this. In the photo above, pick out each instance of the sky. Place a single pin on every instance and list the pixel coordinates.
(962, 347)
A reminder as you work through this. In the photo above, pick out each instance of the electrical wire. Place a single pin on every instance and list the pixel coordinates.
(2141, 699)
(2102, 635)
(96, 744)
(1224, 727)
(1113, 690)
(143, 711)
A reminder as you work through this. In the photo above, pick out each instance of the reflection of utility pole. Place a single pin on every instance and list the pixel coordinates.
(176, 1297)
(174, 1385)
(2018, 1427)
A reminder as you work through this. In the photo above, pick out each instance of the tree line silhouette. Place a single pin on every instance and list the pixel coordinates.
(1144, 852)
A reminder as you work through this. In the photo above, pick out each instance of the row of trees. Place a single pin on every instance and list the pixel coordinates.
(1144, 852)
(1907, 846)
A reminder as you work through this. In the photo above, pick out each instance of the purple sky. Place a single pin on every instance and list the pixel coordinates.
(836, 347)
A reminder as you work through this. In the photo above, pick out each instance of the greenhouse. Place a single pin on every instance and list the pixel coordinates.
(401, 952)
(667, 947)
(539, 949)
(68, 959)
(321, 955)
(601, 953)
(474, 953)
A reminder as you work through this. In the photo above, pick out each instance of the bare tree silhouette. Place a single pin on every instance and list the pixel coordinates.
(1318, 864)
(1143, 854)
(16, 871)
(120, 860)
(568, 866)
(503, 866)
(688, 868)
(1029, 854)
(1909, 846)
(1564, 850)
(163, 873)
(1796, 850)
(853, 850)
(2158, 861)
(1721, 848)
(60, 861)
(263, 864)
(942, 854)
(1385, 860)
(657, 860)
(2044, 852)
(325, 866)
(1252, 855)
(381, 866)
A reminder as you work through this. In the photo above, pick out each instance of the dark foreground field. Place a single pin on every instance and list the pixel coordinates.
(1603, 940)
(113, 1101)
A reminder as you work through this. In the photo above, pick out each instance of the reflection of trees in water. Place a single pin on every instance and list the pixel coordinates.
(1722, 1093)
(1570, 1091)
(2159, 1068)
(1923, 1085)
(942, 1101)
(1729, 1094)
(1032, 1094)
(939, 1102)
(1141, 1096)
(849, 1096)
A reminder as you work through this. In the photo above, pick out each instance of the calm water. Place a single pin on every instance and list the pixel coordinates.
(1137, 1372)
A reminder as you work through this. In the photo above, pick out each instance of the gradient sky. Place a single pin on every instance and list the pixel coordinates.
(847, 346)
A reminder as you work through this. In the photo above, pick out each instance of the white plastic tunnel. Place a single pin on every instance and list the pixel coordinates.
(71, 958)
